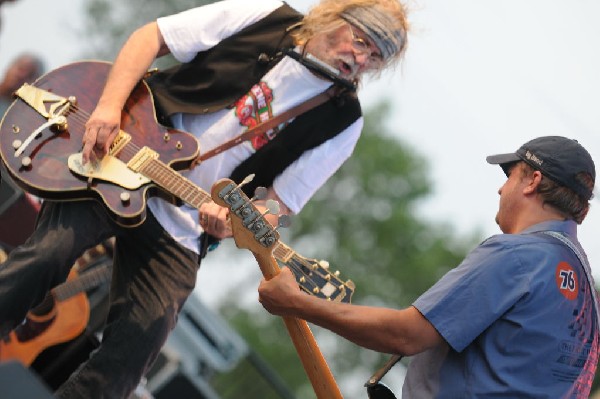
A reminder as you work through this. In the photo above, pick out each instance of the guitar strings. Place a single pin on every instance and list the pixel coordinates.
(305, 267)
(186, 190)
(299, 265)
(84, 281)
(305, 263)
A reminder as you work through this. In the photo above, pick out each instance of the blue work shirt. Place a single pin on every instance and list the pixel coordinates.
(518, 318)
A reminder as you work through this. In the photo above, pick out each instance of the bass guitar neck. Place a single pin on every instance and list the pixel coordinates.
(252, 231)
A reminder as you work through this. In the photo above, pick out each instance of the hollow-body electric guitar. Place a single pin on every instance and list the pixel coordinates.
(41, 136)
(40, 146)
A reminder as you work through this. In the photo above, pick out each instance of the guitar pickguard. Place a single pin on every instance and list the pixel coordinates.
(108, 169)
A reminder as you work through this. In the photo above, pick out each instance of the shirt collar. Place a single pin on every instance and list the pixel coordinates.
(568, 227)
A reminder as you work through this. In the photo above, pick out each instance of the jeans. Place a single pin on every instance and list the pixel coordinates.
(152, 277)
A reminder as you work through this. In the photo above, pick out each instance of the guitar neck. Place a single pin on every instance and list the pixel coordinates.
(310, 355)
(284, 253)
(312, 359)
(252, 231)
(84, 282)
(174, 183)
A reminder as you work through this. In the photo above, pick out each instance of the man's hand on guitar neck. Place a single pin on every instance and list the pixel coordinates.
(214, 219)
(100, 130)
(278, 294)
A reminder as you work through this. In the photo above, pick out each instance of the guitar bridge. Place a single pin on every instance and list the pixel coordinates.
(119, 142)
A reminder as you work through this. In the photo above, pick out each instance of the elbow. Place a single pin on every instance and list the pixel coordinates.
(410, 348)
(414, 341)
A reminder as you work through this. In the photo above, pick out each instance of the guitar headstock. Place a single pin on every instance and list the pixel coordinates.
(250, 229)
(315, 278)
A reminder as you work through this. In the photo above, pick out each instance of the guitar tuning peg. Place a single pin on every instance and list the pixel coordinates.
(284, 221)
(247, 180)
(272, 207)
(259, 194)
(324, 264)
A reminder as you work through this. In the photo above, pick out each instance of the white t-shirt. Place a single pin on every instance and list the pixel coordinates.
(284, 86)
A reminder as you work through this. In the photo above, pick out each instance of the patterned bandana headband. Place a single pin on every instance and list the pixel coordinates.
(379, 26)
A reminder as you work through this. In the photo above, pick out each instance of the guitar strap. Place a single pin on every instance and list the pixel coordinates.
(207, 242)
(265, 126)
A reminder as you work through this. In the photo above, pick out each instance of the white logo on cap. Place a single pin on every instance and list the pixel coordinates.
(533, 158)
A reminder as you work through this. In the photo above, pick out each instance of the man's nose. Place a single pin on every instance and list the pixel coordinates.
(361, 58)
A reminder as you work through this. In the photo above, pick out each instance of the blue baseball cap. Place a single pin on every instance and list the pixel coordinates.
(559, 158)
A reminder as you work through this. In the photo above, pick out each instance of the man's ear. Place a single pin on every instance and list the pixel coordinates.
(533, 182)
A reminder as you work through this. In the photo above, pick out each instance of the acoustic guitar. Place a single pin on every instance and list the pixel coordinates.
(40, 143)
(62, 315)
(252, 231)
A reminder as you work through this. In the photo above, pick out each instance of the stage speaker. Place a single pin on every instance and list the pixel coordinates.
(17, 382)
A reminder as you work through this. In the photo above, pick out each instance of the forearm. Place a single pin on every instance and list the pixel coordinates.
(404, 332)
(131, 64)
(386, 330)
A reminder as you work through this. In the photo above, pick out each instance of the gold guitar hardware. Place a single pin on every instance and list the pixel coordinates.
(143, 156)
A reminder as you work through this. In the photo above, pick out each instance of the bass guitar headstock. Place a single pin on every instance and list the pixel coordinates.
(250, 228)
(252, 231)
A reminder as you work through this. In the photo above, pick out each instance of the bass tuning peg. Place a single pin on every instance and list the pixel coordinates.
(259, 194)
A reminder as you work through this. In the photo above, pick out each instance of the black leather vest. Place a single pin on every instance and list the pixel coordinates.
(218, 77)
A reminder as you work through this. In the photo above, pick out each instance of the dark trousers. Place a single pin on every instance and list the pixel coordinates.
(152, 277)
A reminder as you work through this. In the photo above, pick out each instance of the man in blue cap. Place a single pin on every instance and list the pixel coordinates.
(517, 318)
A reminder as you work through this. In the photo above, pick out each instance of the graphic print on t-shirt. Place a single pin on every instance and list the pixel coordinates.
(255, 108)
(567, 281)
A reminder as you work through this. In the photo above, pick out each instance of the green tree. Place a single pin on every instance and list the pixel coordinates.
(365, 222)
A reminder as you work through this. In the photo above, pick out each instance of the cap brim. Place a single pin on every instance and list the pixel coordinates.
(502, 158)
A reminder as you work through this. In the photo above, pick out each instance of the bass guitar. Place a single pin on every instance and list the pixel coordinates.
(40, 143)
(252, 231)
